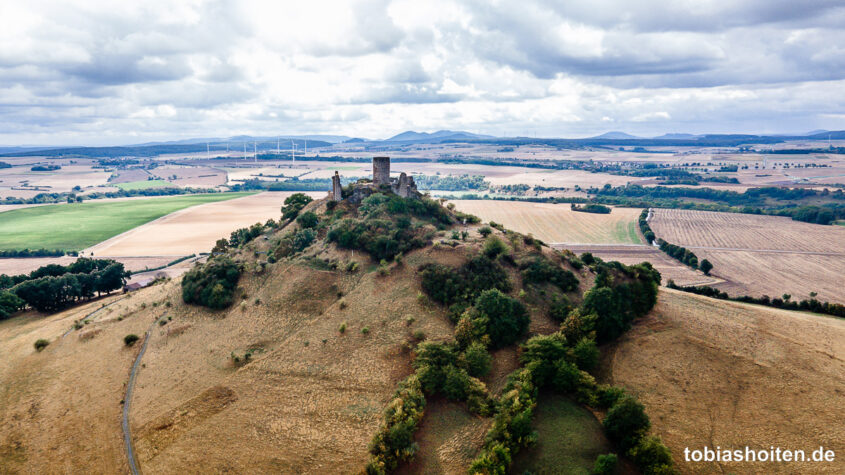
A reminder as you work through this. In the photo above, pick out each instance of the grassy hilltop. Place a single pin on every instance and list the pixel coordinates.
(383, 337)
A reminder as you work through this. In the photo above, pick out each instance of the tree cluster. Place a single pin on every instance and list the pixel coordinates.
(54, 287)
(212, 284)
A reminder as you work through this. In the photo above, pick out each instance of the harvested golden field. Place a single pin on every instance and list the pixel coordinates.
(25, 265)
(726, 374)
(761, 255)
(194, 229)
(557, 223)
(735, 231)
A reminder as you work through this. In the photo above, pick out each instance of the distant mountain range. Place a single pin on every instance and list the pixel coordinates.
(248, 138)
(411, 136)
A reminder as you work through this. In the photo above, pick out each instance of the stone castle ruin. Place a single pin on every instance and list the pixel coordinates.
(403, 186)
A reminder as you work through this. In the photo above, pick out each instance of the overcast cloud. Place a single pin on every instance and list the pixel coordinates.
(89, 72)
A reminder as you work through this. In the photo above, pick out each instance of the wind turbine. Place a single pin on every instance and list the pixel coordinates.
(292, 151)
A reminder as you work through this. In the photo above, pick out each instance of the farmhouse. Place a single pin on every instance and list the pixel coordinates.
(403, 186)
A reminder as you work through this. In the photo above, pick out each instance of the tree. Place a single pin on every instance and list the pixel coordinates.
(307, 220)
(507, 318)
(294, 204)
(485, 231)
(705, 266)
(477, 360)
(605, 464)
(626, 422)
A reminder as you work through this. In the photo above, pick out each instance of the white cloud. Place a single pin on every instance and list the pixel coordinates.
(95, 72)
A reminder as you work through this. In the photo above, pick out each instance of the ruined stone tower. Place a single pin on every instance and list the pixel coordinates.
(336, 194)
(381, 171)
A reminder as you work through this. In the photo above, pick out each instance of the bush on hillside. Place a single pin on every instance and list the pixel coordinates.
(506, 318)
(130, 339)
(294, 204)
(211, 285)
(540, 270)
(40, 344)
(449, 286)
(626, 423)
(605, 464)
(308, 219)
(652, 456)
(9, 304)
(494, 246)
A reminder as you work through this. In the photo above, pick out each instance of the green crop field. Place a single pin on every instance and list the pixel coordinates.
(76, 226)
(143, 184)
(570, 439)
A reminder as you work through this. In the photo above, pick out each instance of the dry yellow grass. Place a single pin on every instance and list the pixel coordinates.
(556, 223)
(194, 229)
(712, 372)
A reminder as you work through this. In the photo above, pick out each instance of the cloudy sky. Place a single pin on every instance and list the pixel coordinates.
(89, 72)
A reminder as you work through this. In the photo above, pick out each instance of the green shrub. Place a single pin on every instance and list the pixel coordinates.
(484, 231)
(605, 464)
(477, 360)
(294, 204)
(130, 339)
(365, 330)
(626, 422)
(494, 246)
(40, 344)
(540, 270)
(541, 353)
(342, 328)
(211, 285)
(507, 318)
(586, 354)
(308, 220)
(449, 286)
(652, 457)
(608, 395)
(394, 442)
(559, 308)
(351, 266)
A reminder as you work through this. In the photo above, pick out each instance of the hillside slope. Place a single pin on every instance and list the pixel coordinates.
(722, 373)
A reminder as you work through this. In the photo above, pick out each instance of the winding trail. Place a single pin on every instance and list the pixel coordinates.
(86, 317)
(127, 400)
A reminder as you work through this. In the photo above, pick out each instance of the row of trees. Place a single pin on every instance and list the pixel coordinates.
(809, 305)
(590, 208)
(55, 292)
(679, 253)
(34, 253)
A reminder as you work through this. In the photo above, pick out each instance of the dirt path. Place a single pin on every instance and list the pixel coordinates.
(127, 401)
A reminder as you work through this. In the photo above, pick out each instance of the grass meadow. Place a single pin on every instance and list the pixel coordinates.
(570, 439)
(76, 226)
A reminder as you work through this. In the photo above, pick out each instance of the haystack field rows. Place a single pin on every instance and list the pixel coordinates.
(557, 223)
(726, 374)
(773, 274)
(709, 229)
(761, 255)
(195, 229)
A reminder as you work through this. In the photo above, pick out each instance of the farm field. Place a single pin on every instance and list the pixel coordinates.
(143, 184)
(761, 255)
(195, 229)
(556, 223)
(77, 226)
(713, 372)
(25, 265)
